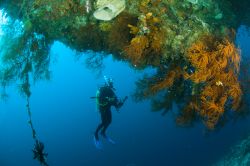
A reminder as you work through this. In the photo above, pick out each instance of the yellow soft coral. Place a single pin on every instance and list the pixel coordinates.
(150, 32)
(136, 48)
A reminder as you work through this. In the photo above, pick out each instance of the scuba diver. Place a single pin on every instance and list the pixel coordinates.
(39, 153)
(105, 98)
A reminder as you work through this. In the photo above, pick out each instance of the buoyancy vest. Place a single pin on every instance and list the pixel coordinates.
(105, 97)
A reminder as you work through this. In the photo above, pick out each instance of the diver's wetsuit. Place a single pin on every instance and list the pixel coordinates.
(107, 98)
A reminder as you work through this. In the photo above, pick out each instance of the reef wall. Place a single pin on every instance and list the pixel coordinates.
(191, 44)
(239, 155)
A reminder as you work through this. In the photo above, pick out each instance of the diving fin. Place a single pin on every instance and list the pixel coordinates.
(97, 143)
(110, 140)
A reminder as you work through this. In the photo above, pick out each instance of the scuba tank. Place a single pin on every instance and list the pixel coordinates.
(104, 94)
(97, 98)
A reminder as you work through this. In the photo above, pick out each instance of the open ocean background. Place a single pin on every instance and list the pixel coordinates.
(65, 119)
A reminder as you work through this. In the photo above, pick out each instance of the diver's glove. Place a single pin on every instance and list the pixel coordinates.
(121, 102)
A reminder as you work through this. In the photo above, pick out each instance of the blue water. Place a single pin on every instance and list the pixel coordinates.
(65, 119)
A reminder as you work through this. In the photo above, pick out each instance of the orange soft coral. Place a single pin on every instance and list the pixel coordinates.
(167, 81)
(119, 35)
(213, 71)
(216, 65)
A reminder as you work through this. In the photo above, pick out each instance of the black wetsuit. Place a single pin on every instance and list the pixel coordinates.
(106, 98)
